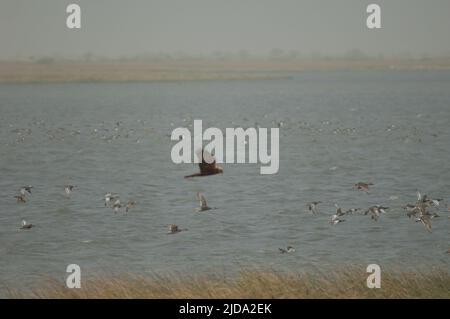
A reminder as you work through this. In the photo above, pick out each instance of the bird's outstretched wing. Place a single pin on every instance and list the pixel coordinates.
(202, 200)
(426, 221)
(419, 196)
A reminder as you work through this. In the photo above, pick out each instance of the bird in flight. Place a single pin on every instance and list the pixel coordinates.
(68, 189)
(25, 225)
(362, 186)
(203, 205)
(312, 207)
(109, 197)
(425, 219)
(376, 211)
(287, 250)
(26, 189)
(130, 204)
(116, 206)
(21, 198)
(425, 199)
(207, 165)
(336, 218)
(352, 211)
(173, 229)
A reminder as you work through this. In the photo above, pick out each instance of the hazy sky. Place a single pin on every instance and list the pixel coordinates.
(130, 27)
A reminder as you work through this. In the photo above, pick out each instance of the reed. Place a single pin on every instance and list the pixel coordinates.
(346, 283)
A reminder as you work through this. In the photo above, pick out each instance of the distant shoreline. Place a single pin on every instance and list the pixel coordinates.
(65, 71)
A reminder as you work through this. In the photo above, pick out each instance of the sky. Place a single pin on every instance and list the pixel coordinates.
(118, 28)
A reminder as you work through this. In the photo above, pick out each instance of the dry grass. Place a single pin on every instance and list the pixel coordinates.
(252, 284)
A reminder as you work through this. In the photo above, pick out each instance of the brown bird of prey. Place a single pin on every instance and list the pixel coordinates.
(207, 165)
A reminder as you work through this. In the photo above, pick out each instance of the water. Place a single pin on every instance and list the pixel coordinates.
(389, 128)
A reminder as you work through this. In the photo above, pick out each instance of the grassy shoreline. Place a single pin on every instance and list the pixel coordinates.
(67, 71)
(260, 284)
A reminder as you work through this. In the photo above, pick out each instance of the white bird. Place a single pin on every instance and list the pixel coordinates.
(335, 219)
(25, 225)
(68, 189)
(203, 205)
(117, 205)
(25, 189)
(312, 207)
(109, 197)
(287, 250)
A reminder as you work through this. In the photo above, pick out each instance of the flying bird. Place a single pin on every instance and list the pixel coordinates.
(425, 219)
(335, 219)
(173, 229)
(420, 210)
(412, 210)
(26, 189)
(25, 225)
(363, 186)
(312, 207)
(68, 189)
(203, 205)
(116, 206)
(376, 211)
(130, 204)
(207, 165)
(21, 198)
(427, 200)
(109, 197)
(352, 211)
(287, 250)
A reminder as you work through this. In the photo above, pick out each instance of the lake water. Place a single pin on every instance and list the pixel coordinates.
(337, 128)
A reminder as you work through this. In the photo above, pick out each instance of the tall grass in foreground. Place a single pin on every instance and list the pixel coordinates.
(348, 283)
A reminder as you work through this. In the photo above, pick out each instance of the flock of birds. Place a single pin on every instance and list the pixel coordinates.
(137, 131)
(113, 200)
(423, 210)
(420, 211)
(207, 166)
